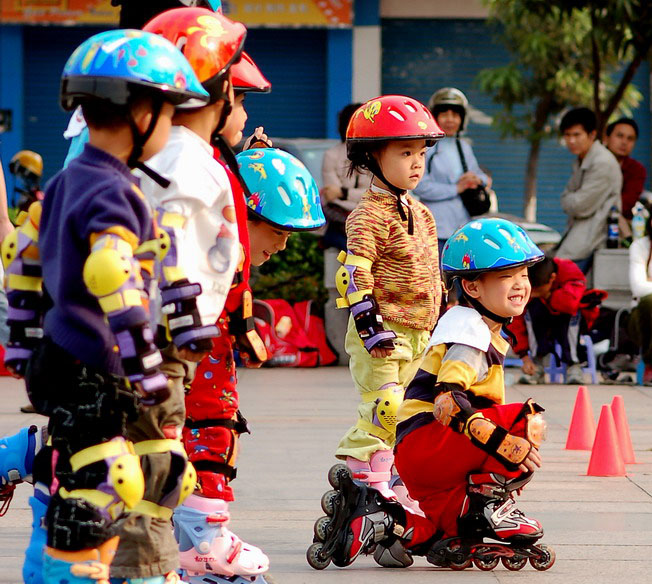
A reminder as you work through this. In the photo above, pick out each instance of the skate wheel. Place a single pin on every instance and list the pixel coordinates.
(328, 501)
(485, 564)
(545, 560)
(336, 473)
(459, 566)
(314, 557)
(321, 528)
(514, 563)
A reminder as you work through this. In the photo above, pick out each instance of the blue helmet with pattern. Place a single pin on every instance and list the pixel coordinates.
(489, 244)
(282, 190)
(110, 65)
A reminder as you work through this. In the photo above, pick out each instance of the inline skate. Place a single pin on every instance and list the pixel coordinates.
(490, 513)
(358, 520)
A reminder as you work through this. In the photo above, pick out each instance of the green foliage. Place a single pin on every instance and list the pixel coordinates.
(553, 66)
(294, 274)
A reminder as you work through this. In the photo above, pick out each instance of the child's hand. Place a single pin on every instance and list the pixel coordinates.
(380, 353)
(529, 368)
(532, 462)
(258, 136)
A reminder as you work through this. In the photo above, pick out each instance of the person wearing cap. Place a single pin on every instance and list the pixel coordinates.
(451, 166)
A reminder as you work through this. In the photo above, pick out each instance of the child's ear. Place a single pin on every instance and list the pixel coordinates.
(471, 287)
(553, 277)
(142, 117)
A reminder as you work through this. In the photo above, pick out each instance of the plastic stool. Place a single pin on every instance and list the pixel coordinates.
(557, 370)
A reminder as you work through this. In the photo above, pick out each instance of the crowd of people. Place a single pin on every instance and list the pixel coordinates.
(127, 288)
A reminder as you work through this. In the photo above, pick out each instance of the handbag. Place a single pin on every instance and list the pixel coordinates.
(476, 200)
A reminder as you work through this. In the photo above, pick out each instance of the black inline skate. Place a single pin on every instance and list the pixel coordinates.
(492, 514)
(358, 520)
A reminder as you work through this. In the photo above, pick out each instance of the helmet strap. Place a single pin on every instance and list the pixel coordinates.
(373, 165)
(229, 157)
(140, 140)
(484, 311)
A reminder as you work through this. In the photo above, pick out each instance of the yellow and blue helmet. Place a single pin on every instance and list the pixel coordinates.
(281, 189)
(489, 244)
(109, 65)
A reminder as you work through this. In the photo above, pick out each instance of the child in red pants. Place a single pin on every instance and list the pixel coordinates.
(460, 450)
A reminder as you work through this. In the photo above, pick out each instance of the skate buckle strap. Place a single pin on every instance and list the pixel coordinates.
(217, 518)
(236, 548)
(368, 476)
(152, 510)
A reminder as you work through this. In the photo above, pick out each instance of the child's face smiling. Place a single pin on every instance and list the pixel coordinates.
(504, 292)
(402, 162)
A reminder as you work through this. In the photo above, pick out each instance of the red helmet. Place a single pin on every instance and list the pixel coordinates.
(210, 41)
(246, 76)
(393, 117)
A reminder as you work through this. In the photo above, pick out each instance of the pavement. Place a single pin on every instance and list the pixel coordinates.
(601, 528)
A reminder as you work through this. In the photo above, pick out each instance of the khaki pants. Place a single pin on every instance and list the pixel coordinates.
(147, 546)
(371, 375)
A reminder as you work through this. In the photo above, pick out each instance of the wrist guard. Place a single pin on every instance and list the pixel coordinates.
(25, 321)
(453, 409)
(179, 306)
(23, 283)
(369, 324)
(243, 330)
(112, 275)
(141, 358)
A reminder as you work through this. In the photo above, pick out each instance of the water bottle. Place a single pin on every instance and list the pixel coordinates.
(613, 232)
(638, 221)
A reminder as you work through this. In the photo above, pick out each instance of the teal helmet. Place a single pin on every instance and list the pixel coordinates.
(109, 65)
(485, 245)
(281, 189)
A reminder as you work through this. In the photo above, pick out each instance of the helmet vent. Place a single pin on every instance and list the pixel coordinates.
(284, 195)
(409, 107)
(396, 114)
(181, 42)
(490, 242)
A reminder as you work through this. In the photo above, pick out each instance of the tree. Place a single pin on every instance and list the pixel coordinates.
(553, 49)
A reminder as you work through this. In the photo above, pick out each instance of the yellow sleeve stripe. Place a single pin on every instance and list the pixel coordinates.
(119, 231)
(25, 283)
(411, 407)
(457, 372)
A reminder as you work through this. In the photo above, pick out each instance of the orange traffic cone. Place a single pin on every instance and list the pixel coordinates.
(581, 432)
(606, 458)
(622, 428)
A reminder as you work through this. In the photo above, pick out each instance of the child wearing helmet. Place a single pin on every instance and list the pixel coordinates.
(200, 195)
(27, 167)
(460, 450)
(390, 278)
(281, 198)
(90, 241)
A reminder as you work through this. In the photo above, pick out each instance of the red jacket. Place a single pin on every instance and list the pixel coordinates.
(565, 297)
(634, 174)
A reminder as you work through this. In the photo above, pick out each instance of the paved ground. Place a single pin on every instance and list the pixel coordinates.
(601, 528)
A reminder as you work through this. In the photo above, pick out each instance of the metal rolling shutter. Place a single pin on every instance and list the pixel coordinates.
(420, 56)
(294, 60)
(46, 50)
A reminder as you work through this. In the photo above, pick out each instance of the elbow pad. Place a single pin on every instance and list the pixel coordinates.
(112, 275)
(24, 286)
(179, 296)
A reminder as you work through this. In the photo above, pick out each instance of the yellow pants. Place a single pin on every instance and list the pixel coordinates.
(370, 375)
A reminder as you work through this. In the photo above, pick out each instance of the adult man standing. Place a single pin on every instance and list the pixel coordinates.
(592, 190)
(621, 137)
